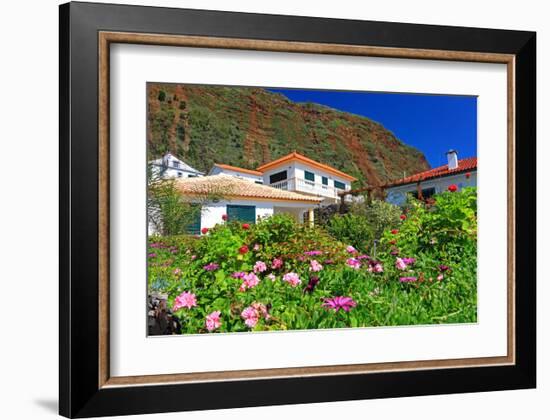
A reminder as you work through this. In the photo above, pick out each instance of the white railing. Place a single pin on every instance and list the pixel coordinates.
(305, 186)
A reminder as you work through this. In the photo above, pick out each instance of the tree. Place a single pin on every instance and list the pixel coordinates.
(168, 210)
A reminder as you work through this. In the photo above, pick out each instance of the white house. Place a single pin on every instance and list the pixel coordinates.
(251, 175)
(295, 172)
(243, 200)
(460, 172)
(169, 166)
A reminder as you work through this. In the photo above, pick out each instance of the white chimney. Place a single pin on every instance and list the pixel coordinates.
(452, 159)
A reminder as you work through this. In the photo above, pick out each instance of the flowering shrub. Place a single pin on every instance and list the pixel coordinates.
(281, 275)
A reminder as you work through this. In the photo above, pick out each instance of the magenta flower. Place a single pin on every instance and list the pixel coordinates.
(211, 267)
(315, 266)
(340, 302)
(409, 261)
(260, 267)
(313, 280)
(353, 263)
(351, 249)
(185, 300)
(213, 321)
(443, 267)
(152, 255)
(363, 257)
(276, 263)
(238, 274)
(250, 316)
(292, 278)
(313, 253)
(407, 279)
(193, 257)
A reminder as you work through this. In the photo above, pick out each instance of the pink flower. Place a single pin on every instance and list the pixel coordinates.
(315, 266)
(440, 277)
(351, 249)
(376, 268)
(256, 247)
(250, 281)
(185, 300)
(292, 278)
(261, 309)
(271, 277)
(400, 264)
(238, 274)
(193, 257)
(250, 316)
(340, 302)
(407, 279)
(213, 321)
(177, 271)
(260, 267)
(353, 263)
(276, 263)
(211, 267)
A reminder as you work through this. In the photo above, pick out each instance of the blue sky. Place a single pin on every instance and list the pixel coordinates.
(432, 123)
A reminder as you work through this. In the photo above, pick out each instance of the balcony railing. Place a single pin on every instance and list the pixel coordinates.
(305, 186)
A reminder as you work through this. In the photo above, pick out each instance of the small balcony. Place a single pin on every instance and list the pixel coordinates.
(307, 187)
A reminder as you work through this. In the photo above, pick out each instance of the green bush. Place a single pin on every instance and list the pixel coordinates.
(352, 229)
(162, 96)
(380, 214)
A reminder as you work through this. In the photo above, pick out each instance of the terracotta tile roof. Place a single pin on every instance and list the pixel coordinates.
(237, 169)
(464, 165)
(233, 187)
(301, 158)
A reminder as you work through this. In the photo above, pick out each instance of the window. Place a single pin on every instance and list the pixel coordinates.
(309, 176)
(325, 180)
(176, 164)
(241, 213)
(279, 176)
(426, 193)
(259, 182)
(339, 185)
(180, 174)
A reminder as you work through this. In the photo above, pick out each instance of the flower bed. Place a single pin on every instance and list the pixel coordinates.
(280, 275)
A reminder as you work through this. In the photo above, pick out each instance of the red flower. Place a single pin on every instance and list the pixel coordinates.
(468, 175)
(204, 231)
(452, 188)
(394, 231)
(402, 217)
(243, 249)
(246, 226)
(393, 242)
(224, 217)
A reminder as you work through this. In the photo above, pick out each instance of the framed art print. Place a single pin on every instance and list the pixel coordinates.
(319, 209)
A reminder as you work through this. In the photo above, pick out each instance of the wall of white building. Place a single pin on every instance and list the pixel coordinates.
(397, 195)
(212, 213)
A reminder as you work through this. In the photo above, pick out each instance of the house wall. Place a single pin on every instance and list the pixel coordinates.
(296, 177)
(212, 213)
(397, 195)
(256, 178)
(170, 169)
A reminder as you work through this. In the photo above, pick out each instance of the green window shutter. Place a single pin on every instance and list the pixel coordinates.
(309, 176)
(245, 214)
(194, 228)
(325, 180)
(339, 185)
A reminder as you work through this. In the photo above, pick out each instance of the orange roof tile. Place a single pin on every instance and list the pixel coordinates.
(294, 156)
(233, 187)
(464, 165)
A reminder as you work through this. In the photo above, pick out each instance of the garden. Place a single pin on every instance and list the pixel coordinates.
(375, 265)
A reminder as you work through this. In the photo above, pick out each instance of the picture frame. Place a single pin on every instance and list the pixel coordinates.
(87, 31)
